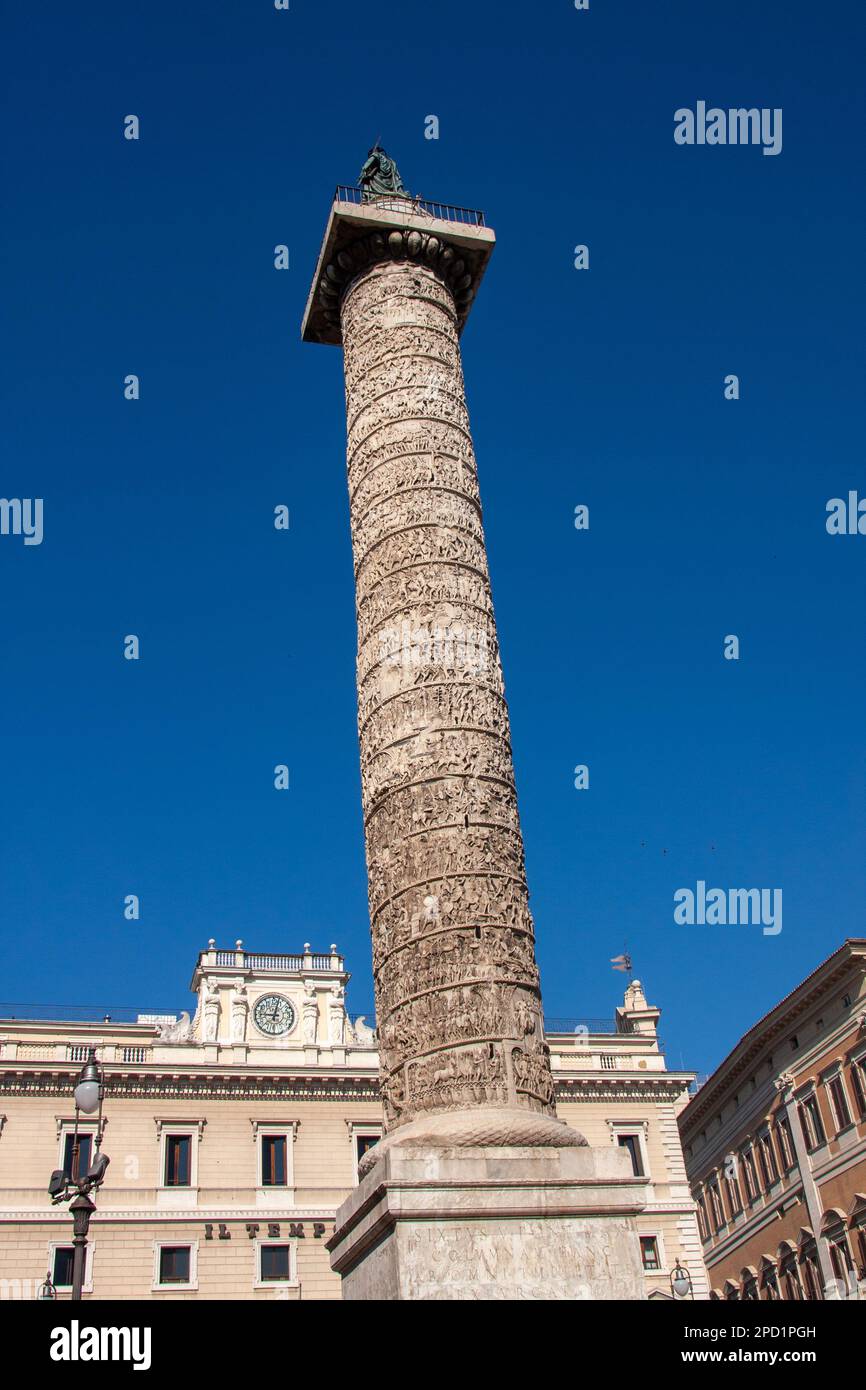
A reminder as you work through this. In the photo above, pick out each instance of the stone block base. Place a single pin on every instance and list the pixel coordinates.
(432, 1222)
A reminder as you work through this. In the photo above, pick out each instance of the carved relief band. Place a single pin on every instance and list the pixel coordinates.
(457, 993)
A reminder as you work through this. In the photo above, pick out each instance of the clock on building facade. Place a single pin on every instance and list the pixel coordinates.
(274, 1015)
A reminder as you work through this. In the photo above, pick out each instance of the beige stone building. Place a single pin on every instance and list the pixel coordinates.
(235, 1134)
(775, 1145)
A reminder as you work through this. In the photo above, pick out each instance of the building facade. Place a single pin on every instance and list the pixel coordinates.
(236, 1133)
(775, 1146)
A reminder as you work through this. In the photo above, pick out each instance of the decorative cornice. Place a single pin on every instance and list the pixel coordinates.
(328, 1087)
(258, 1087)
(654, 1086)
(669, 1208)
(352, 1126)
(86, 1125)
(281, 1124)
(172, 1215)
(614, 1126)
(449, 263)
(174, 1122)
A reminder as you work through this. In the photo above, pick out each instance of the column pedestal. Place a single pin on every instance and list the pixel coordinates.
(485, 1222)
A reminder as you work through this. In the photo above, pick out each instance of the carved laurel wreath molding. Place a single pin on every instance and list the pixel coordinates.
(446, 261)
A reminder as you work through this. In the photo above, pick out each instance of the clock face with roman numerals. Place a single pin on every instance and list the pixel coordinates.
(274, 1015)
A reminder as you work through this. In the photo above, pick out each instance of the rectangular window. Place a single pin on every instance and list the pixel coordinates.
(747, 1161)
(61, 1275)
(178, 1152)
(703, 1225)
(840, 1258)
(858, 1081)
(810, 1122)
(274, 1160)
(85, 1144)
(364, 1139)
(363, 1142)
(276, 1263)
(649, 1252)
(839, 1101)
(767, 1159)
(174, 1264)
(716, 1204)
(810, 1275)
(631, 1143)
(784, 1143)
(735, 1200)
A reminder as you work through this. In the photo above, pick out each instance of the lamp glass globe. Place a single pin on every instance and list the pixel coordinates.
(87, 1096)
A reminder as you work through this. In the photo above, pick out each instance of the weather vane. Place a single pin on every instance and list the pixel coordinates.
(623, 963)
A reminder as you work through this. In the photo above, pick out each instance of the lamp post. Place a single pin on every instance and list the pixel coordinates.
(88, 1094)
(81, 1208)
(681, 1282)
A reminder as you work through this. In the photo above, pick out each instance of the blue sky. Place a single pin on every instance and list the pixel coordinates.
(602, 387)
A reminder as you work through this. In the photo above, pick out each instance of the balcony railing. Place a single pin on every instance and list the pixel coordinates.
(445, 212)
(77, 1013)
(254, 960)
(579, 1025)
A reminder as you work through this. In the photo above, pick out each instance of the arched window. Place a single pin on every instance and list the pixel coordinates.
(833, 1227)
(769, 1280)
(789, 1274)
(809, 1272)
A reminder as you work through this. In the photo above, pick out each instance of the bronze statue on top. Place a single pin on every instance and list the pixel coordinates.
(380, 177)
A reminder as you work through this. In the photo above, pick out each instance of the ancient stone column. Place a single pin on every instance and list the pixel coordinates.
(465, 1068)
(457, 998)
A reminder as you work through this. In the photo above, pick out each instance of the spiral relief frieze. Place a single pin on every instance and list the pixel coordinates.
(457, 996)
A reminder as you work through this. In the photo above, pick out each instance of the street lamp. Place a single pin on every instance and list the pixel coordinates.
(681, 1282)
(88, 1094)
(47, 1290)
(88, 1090)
